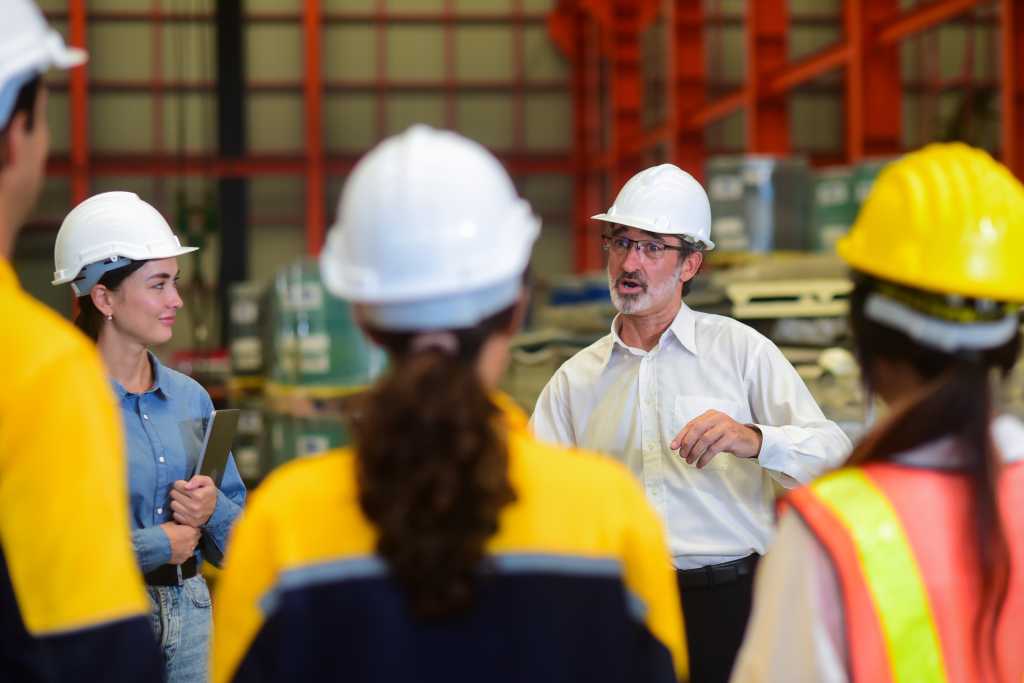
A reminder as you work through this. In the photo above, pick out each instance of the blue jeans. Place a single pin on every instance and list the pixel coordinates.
(180, 616)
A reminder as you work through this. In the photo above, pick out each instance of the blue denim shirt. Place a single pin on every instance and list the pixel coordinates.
(163, 436)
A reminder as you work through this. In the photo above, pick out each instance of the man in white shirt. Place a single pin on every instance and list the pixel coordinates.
(703, 409)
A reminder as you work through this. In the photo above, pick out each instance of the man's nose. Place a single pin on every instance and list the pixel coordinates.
(633, 259)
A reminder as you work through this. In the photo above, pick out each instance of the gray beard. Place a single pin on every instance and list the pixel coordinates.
(629, 304)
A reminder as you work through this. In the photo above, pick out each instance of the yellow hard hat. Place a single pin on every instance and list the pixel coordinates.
(947, 219)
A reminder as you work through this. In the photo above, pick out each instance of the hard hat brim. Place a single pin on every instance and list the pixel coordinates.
(648, 226)
(65, 278)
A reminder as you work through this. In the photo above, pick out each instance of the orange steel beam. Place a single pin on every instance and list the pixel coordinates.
(587, 132)
(919, 19)
(691, 89)
(626, 88)
(874, 111)
(718, 109)
(809, 68)
(1012, 34)
(108, 165)
(767, 113)
(313, 95)
(79, 96)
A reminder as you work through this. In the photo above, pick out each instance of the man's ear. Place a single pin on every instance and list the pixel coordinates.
(691, 266)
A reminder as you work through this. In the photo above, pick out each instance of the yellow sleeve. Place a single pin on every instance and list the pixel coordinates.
(650, 576)
(249, 573)
(63, 499)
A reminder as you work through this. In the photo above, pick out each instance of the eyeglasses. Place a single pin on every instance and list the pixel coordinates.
(652, 250)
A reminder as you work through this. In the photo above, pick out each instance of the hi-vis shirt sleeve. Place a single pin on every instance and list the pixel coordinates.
(64, 519)
(650, 576)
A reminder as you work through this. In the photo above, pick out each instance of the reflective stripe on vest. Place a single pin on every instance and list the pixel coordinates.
(890, 572)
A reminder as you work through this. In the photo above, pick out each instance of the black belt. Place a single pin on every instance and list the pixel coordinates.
(718, 574)
(167, 574)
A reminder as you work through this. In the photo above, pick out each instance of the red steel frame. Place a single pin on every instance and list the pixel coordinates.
(609, 140)
(873, 90)
(1013, 84)
(312, 162)
(313, 95)
(79, 97)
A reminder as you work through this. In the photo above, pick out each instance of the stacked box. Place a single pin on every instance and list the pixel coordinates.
(248, 445)
(758, 203)
(245, 344)
(833, 208)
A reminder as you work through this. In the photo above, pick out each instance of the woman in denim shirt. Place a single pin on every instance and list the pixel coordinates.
(119, 254)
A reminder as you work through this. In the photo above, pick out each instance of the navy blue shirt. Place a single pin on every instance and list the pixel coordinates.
(164, 429)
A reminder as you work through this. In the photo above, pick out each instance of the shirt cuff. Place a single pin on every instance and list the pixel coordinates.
(224, 514)
(152, 548)
(775, 454)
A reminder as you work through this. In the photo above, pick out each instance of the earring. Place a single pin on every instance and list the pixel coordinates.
(110, 317)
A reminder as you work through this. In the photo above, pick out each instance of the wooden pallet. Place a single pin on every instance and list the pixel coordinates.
(795, 298)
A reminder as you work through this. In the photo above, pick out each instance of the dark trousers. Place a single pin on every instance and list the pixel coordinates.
(716, 618)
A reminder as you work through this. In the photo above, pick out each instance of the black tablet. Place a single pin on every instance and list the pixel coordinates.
(220, 432)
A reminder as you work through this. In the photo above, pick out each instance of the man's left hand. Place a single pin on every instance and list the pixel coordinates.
(712, 433)
(193, 501)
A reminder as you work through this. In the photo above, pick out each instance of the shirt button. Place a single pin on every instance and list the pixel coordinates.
(161, 458)
(145, 417)
(159, 511)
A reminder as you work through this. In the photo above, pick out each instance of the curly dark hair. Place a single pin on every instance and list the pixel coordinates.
(433, 467)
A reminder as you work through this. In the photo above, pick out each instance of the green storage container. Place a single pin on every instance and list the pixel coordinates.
(280, 439)
(318, 434)
(317, 343)
(833, 207)
(864, 177)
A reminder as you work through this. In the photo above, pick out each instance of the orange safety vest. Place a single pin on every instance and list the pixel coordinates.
(902, 542)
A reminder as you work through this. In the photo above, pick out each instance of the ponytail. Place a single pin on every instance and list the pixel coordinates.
(957, 401)
(433, 466)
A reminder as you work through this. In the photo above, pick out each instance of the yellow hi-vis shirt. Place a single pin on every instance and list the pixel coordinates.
(73, 600)
(581, 586)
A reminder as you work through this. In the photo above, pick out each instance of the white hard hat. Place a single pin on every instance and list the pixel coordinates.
(663, 199)
(107, 231)
(430, 234)
(28, 47)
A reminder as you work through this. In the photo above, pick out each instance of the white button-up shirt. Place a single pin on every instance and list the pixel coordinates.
(631, 404)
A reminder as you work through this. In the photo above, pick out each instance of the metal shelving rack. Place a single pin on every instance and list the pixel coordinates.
(603, 39)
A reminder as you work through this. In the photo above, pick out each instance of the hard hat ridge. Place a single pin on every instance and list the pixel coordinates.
(664, 199)
(105, 229)
(28, 46)
(941, 234)
(430, 233)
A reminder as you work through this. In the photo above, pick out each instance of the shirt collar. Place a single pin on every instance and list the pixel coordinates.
(160, 378)
(683, 327)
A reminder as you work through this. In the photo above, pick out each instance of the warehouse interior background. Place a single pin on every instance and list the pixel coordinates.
(239, 120)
